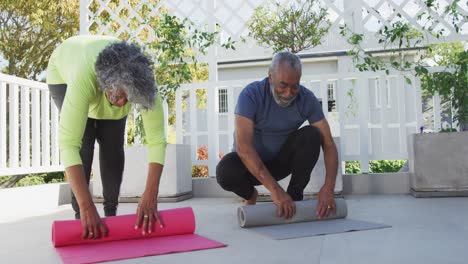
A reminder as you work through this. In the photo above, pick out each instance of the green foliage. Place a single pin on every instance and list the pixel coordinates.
(4, 179)
(383, 166)
(352, 107)
(31, 29)
(53, 177)
(445, 54)
(30, 180)
(450, 10)
(178, 42)
(296, 27)
(352, 167)
(451, 85)
(375, 166)
(175, 51)
(448, 130)
(398, 36)
(35, 179)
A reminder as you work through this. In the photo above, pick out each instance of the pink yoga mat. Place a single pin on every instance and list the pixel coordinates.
(124, 242)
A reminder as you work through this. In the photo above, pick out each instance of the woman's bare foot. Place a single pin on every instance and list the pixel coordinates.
(253, 199)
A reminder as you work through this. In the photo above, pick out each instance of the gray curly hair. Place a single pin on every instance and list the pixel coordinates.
(123, 66)
(289, 58)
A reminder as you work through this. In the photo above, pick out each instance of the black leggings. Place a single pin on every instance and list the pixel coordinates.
(110, 136)
(297, 156)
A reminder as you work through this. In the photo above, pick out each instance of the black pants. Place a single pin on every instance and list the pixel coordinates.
(110, 136)
(297, 157)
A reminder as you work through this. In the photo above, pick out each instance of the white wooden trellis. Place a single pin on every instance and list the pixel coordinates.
(363, 16)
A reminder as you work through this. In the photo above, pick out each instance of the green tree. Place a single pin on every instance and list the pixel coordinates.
(296, 27)
(445, 54)
(31, 29)
(451, 84)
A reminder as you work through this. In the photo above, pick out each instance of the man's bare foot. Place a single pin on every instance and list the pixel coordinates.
(253, 199)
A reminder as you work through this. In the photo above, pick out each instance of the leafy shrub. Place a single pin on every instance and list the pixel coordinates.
(56, 181)
(382, 166)
(352, 167)
(30, 180)
(54, 177)
(375, 166)
(34, 179)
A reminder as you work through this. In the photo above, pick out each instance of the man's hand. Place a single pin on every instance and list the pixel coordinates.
(147, 213)
(285, 204)
(326, 202)
(91, 223)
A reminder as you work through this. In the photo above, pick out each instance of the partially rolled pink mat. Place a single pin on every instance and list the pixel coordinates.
(124, 242)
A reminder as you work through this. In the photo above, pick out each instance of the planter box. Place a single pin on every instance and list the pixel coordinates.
(176, 179)
(438, 164)
(317, 177)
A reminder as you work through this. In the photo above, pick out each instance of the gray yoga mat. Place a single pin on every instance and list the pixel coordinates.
(263, 219)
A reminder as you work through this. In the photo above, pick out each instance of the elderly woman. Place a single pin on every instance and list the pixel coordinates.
(94, 80)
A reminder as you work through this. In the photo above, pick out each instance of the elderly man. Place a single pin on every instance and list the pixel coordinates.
(268, 144)
(94, 80)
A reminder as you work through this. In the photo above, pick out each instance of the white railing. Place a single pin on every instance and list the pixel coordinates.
(375, 113)
(28, 127)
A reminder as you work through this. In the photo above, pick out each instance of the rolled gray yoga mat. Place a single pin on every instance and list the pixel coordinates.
(263, 219)
(267, 213)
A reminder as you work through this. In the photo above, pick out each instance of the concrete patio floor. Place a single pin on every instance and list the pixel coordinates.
(432, 230)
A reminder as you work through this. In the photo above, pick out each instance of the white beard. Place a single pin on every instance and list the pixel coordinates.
(281, 102)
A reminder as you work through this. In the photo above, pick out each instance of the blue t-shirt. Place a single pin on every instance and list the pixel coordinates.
(273, 123)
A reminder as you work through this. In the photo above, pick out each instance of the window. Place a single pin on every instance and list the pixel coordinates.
(377, 93)
(331, 91)
(331, 95)
(389, 93)
(223, 101)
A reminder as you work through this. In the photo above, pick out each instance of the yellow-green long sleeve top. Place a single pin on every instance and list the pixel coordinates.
(72, 63)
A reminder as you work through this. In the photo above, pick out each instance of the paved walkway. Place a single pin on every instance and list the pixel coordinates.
(433, 230)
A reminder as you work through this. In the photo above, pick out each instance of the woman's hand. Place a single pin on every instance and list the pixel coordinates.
(147, 213)
(91, 223)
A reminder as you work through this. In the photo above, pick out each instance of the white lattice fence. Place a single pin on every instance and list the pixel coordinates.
(129, 19)
(379, 13)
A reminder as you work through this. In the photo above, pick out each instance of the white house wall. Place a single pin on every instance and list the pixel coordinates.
(260, 71)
